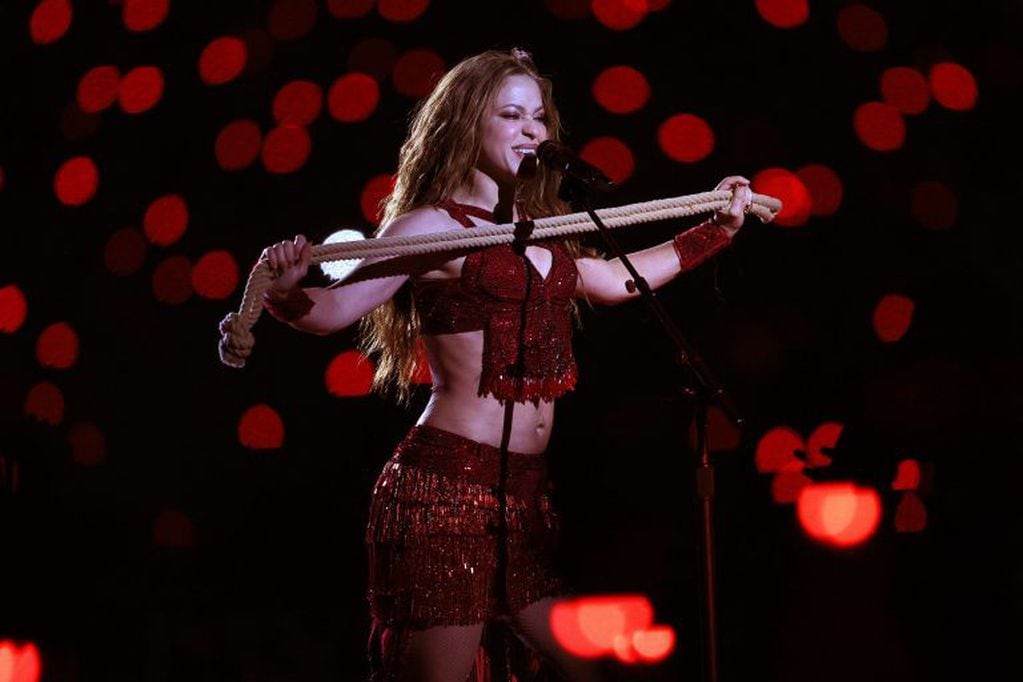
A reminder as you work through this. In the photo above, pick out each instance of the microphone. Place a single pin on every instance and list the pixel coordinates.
(559, 157)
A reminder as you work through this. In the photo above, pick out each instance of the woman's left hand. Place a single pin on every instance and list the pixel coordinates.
(731, 217)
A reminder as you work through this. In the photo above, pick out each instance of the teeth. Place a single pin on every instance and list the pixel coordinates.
(524, 150)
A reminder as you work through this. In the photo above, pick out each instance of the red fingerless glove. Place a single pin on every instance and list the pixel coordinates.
(696, 245)
(295, 305)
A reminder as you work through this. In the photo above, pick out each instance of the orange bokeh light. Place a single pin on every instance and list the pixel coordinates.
(172, 529)
(654, 644)
(839, 514)
(140, 89)
(619, 15)
(144, 15)
(125, 252)
(794, 195)
(416, 72)
(783, 13)
(50, 20)
(590, 627)
(934, 205)
(261, 428)
(215, 275)
(57, 346)
(238, 144)
(286, 148)
(88, 445)
(298, 103)
(76, 181)
(45, 403)
(353, 97)
(621, 89)
(892, 317)
(953, 86)
(172, 280)
(166, 219)
(612, 156)
(19, 663)
(879, 126)
(13, 308)
(402, 10)
(905, 89)
(862, 28)
(291, 19)
(685, 138)
(222, 60)
(98, 88)
(349, 374)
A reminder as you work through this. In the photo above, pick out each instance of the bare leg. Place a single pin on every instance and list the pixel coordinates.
(439, 654)
(533, 624)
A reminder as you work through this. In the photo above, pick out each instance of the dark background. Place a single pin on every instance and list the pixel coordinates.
(271, 588)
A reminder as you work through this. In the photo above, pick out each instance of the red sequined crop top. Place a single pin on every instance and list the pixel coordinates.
(526, 318)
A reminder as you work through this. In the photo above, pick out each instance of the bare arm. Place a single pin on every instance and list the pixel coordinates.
(603, 281)
(325, 310)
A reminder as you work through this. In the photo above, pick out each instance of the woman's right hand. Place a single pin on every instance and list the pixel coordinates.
(289, 261)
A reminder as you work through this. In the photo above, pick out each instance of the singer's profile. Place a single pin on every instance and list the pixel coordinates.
(461, 524)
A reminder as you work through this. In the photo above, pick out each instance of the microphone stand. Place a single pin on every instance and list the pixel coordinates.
(706, 391)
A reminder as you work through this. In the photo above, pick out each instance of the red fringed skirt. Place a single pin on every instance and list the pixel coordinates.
(441, 552)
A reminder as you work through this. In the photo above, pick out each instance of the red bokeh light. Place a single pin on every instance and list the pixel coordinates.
(824, 186)
(222, 60)
(172, 529)
(907, 476)
(685, 138)
(892, 317)
(172, 280)
(416, 72)
(261, 428)
(125, 252)
(879, 126)
(57, 346)
(612, 156)
(569, 9)
(76, 181)
(215, 275)
(783, 13)
(166, 219)
(786, 486)
(619, 15)
(862, 28)
(824, 437)
(353, 97)
(298, 103)
(776, 451)
(144, 15)
(45, 403)
(786, 186)
(839, 514)
(50, 20)
(654, 644)
(19, 663)
(374, 191)
(402, 10)
(934, 205)
(141, 89)
(98, 88)
(238, 144)
(422, 373)
(291, 19)
(349, 374)
(88, 445)
(286, 149)
(75, 124)
(722, 433)
(910, 514)
(349, 9)
(13, 308)
(953, 86)
(905, 89)
(589, 627)
(373, 56)
(621, 89)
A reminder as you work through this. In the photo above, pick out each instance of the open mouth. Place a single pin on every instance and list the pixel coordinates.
(525, 151)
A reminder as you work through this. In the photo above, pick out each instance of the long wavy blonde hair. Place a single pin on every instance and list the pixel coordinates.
(438, 157)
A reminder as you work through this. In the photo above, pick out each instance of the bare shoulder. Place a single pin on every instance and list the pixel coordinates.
(423, 220)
